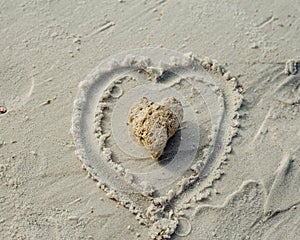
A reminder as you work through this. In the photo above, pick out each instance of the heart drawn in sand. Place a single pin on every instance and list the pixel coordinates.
(193, 104)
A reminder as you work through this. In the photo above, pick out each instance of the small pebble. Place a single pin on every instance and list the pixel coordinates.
(3, 109)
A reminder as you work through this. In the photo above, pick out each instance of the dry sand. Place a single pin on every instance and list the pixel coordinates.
(49, 47)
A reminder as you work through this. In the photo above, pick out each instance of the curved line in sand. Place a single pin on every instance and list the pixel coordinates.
(221, 98)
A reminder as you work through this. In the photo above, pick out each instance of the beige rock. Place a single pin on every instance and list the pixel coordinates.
(154, 123)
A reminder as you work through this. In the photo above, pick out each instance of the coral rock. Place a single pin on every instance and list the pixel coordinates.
(154, 123)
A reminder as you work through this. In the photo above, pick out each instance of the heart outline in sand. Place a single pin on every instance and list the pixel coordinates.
(224, 118)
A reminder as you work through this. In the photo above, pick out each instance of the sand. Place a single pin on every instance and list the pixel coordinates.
(250, 189)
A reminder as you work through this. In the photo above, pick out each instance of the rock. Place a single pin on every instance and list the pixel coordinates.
(155, 123)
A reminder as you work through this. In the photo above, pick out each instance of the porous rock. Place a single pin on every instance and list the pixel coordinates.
(155, 123)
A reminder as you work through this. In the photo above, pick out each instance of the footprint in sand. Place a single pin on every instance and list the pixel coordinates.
(15, 91)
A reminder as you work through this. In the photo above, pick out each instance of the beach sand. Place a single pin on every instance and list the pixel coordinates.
(49, 47)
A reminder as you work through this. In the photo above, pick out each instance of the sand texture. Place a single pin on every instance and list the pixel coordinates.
(71, 70)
